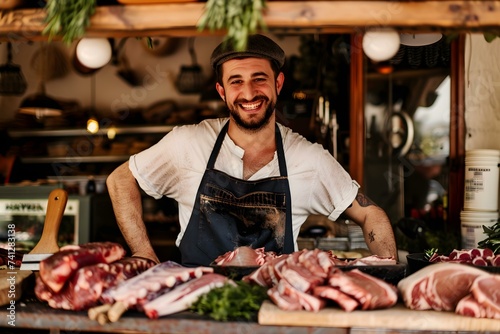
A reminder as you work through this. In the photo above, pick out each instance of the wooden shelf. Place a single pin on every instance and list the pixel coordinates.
(73, 159)
(291, 17)
(82, 132)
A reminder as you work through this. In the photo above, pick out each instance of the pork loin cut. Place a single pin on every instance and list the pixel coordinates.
(371, 292)
(346, 302)
(61, 266)
(439, 286)
(307, 301)
(183, 296)
(486, 290)
(470, 307)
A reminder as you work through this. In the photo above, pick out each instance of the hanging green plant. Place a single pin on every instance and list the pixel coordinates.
(68, 18)
(240, 18)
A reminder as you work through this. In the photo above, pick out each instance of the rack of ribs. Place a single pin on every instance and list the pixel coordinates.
(147, 286)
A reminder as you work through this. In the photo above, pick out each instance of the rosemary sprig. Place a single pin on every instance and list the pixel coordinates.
(239, 17)
(68, 18)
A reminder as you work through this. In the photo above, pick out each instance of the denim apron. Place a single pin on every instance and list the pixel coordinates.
(229, 213)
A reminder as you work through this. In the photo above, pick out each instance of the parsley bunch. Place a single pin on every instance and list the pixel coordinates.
(233, 301)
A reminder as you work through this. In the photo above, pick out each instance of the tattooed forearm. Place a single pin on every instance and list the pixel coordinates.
(364, 201)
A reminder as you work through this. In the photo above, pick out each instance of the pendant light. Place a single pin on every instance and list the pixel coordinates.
(420, 39)
(91, 54)
(381, 44)
(40, 104)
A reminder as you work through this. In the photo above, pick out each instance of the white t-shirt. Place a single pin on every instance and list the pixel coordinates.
(175, 166)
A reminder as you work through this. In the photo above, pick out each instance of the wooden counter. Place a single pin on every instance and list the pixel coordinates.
(35, 315)
(31, 314)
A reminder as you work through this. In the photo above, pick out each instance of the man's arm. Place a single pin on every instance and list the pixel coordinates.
(376, 226)
(127, 205)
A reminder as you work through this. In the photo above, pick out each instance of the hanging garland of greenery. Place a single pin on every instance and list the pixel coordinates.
(68, 18)
(239, 17)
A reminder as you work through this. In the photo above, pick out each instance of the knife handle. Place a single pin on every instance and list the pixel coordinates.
(53, 217)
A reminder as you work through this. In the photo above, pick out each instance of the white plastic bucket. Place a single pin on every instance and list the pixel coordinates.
(471, 225)
(481, 180)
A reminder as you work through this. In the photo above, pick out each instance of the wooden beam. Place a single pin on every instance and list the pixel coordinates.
(180, 19)
(357, 114)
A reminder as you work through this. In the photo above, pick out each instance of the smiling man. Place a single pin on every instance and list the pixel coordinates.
(244, 180)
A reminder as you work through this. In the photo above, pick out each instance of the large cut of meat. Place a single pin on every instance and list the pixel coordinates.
(85, 287)
(484, 299)
(371, 292)
(439, 286)
(59, 267)
(183, 296)
(470, 307)
(346, 302)
(486, 290)
(152, 283)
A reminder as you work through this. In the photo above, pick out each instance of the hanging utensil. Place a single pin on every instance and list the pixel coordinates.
(12, 80)
(49, 62)
(190, 79)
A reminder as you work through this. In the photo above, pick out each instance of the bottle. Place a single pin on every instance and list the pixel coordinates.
(90, 189)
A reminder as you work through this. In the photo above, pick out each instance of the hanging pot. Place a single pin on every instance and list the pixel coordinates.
(12, 80)
(190, 79)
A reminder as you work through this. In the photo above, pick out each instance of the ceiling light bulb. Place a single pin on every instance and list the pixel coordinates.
(111, 133)
(381, 44)
(92, 125)
(93, 52)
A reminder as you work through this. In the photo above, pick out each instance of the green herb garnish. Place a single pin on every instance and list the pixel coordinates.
(231, 302)
(492, 240)
(429, 253)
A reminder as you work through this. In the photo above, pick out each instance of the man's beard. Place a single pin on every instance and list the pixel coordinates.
(254, 124)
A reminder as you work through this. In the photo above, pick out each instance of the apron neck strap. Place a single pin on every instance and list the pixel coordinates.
(279, 149)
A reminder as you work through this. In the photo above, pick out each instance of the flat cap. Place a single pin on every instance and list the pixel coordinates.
(257, 46)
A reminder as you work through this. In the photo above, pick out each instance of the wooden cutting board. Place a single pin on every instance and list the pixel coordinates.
(12, 284)
(397, 317)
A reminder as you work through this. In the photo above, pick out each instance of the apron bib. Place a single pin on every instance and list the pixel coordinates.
(230, 212)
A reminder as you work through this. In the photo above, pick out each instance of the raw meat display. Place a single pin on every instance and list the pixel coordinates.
(183, 296)
(85, 287)
(475, 256)
(308, 279)
(439, 286)
(59, 267)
